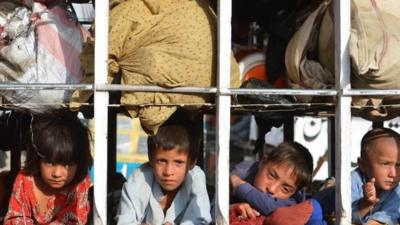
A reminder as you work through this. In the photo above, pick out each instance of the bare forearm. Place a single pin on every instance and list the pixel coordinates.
(364, 208)
(374, 222)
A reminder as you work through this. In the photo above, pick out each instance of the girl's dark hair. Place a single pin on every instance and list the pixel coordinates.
(296, 155)
(60, 139)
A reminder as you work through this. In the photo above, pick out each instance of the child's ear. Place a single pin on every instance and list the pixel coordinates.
(262, 163)
(361, 164)
(192, 164)
(150, 160)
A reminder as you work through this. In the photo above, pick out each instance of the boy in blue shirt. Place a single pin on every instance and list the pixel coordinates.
(375, 189)
(276, 181)
(170, 188)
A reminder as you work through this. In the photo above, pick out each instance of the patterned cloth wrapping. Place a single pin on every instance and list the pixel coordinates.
(41, 45)
(168, 43)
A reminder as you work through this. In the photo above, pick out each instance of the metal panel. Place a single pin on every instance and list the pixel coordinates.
(343, 113)
(223, 112)
(47, 86)
(366, 92)
(224, 90)
(101, 114)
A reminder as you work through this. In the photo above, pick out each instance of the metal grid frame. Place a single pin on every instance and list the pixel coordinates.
(222, 93)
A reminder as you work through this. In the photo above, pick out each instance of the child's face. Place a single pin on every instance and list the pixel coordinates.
(383, 164)
(276, 179)
(170, 167)
(57, 176)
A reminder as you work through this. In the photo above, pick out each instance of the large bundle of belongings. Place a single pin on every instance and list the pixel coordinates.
(374, 49)
(168, 43)
(40, 42)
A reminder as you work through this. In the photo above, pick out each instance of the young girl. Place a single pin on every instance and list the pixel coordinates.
(53, 186)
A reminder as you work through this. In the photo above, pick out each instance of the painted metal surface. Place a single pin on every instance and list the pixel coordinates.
(101, 114)
(343, 113)
(223, 112)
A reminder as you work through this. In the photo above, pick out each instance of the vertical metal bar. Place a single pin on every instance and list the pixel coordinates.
(331, 147)
(223, 112)
(343, 112)
(101, 114)
(112, 143)
(378, 124)
(15, 146)
(288, 128)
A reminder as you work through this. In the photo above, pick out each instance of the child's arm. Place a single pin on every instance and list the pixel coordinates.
(126, 214)
(386, 212)
(18, 213)
(135, 197)
(262, 202)
(373, 222)
(369, 200)
(77, 211)
(198, 208)
(364, 201)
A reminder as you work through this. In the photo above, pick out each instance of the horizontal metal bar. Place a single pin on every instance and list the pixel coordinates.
(363, 92)
(204, 90)
(319, 92)
(210, 90)
(151, 88)
(211, 105)
(47, 86)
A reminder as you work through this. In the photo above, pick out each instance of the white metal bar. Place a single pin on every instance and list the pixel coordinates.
(359, 92)
(47, 86)
(152, 88)
(319, 92)
(208, 90)
(101, 114)
(343, 113)
(223, 112)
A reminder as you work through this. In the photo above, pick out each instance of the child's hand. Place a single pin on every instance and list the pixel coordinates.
(236, 181)
(370, 196)
(373, 222)
(244, 210)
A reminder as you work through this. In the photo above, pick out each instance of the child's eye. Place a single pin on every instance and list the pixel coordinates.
(48, 163)
(285, 190)
(271, 175)
(161, 161)
(179, 163)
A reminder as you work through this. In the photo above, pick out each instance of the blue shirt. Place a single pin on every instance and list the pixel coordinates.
(262, 202)
(141, 196)
(386, 211)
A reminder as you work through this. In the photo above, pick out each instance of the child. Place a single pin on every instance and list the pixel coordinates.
(53, 186)
(375, 191)
(276, 181)
(169, 189)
